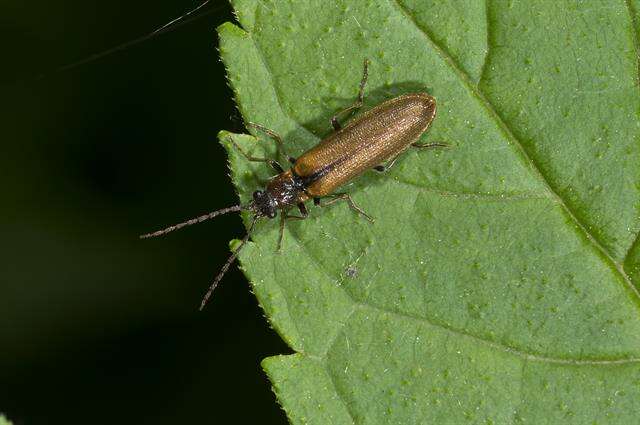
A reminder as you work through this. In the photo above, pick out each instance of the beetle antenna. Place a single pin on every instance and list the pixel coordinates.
(194, 221)
(226, 266)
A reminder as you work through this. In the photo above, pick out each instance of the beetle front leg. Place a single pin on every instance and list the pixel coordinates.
(275, 136)
(284, 216)
(346, 197)
(358, 103)
(303, 210)
(272, 162)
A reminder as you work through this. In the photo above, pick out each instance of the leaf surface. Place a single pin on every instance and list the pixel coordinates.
(499, 281)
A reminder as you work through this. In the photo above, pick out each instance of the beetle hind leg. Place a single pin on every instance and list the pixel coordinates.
(383, 168)
(429, 145)
(358, 103)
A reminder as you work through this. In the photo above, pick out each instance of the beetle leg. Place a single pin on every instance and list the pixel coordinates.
(275, 136)
(345, 196)
(297, 217)
(429, 145)
(284, 216)
(316, 201)
(386, 167)
(282, 219)
(358, 103)
(274, 164)
(303, 209)
(303, 213)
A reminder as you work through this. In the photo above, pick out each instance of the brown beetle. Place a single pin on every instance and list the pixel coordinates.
(381, 134)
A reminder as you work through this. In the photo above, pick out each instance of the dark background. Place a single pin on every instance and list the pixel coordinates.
(97, 326)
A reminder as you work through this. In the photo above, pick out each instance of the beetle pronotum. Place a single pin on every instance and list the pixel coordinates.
(380, 134)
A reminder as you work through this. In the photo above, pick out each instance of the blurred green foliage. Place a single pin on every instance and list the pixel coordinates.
(99, 327)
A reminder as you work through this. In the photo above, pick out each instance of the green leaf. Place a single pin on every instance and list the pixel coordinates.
(4, 421)
(499, 281)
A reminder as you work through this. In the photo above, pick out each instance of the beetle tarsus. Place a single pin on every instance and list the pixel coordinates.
(272, 162)
(358, 103)
(275, 136)
(430, 145)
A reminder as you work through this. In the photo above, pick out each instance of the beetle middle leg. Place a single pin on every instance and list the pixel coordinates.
(284, 216)
(344, 197)
(386, 167)
(365, 74)
(275, 136)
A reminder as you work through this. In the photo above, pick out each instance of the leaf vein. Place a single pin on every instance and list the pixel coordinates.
(510, 136)
(636, 45)
(635, 36)
(300, 336)
(409, 16)
(451, 330)
(486, 53)
(339, 392)
(276, 91)
(475, 195)
(501, 346)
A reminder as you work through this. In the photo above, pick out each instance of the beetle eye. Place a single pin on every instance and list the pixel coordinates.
(257, 195)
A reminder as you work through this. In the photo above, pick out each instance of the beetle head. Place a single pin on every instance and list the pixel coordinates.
(263, 204)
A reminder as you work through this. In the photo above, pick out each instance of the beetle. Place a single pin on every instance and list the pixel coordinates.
(366, 142)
